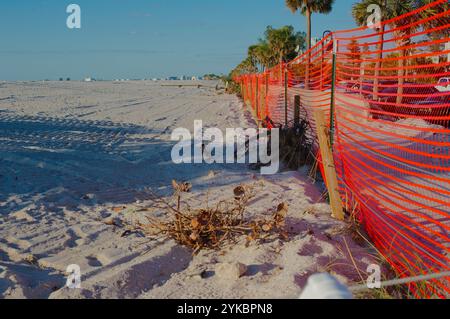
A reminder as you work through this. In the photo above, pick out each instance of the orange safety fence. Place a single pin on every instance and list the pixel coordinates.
(388, 89)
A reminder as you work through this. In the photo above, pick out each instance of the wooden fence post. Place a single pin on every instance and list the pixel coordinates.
(297, 110)
(286, 97)
(257, 100)
(242, 90)
(333, 91)
(328, 165)
(266, 98)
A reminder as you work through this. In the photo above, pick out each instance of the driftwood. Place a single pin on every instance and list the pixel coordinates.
(212, 228)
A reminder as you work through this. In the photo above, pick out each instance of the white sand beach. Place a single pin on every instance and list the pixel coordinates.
(77, 161)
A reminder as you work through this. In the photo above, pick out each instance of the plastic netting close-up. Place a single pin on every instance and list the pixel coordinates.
(386, 95)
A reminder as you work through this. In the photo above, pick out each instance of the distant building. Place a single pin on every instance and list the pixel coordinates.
(88, 79)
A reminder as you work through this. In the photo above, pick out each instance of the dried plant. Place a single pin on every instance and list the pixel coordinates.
(296, 145)
(212, 228)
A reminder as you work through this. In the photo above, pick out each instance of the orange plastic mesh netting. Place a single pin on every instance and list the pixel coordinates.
(388, 90)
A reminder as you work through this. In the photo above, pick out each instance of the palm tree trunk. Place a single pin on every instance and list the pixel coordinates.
(378, 64)
(308, 46)
(401, 76)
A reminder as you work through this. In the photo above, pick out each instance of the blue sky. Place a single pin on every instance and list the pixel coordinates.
(141, 38)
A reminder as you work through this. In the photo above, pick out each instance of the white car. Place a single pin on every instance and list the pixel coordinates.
(443, 85)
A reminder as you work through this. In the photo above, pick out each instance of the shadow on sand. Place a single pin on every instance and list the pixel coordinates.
(62, 163)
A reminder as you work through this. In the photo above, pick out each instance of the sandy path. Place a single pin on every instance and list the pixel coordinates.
(74, 155)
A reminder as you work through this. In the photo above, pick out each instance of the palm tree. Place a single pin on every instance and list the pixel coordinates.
(307, 8)
(283, 42)
(262, 55)
(399, 8)
(389, 10)
(360, 15)
(278, 46)
(405, 33)
(253, 55)
(354, 55)
(245, 67)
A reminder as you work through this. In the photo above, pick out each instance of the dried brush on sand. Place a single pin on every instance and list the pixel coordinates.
(212, 228)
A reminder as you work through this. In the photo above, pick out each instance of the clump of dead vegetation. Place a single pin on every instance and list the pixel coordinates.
(213, 228)
(296, 145)
(296, 142)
